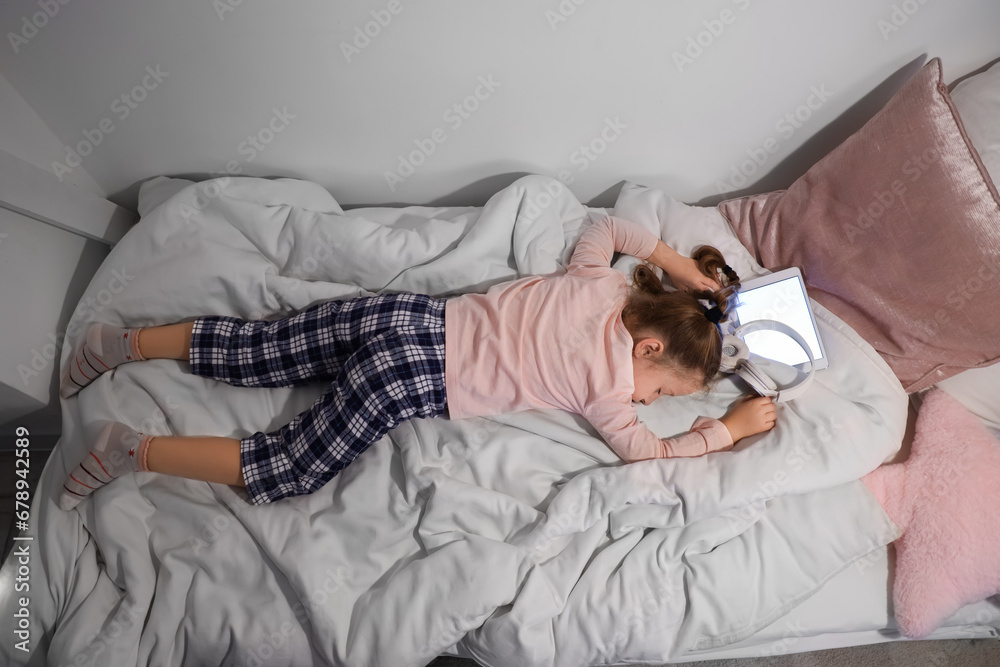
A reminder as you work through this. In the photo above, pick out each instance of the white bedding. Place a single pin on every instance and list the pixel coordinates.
(519, 540)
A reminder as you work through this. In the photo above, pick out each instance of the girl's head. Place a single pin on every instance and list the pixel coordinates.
(677, 350)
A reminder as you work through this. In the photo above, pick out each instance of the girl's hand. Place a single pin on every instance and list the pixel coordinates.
(750, 415)
(684, 273)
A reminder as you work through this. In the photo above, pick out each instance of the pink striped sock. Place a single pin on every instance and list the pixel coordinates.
(102, 348)
(118, 450)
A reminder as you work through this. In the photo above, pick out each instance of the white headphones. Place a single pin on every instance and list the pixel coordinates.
(737, 358)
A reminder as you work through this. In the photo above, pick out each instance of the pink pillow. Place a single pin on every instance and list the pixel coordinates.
(949, 554)
(897, 232)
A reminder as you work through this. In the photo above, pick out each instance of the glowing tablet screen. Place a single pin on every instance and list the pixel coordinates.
(785, 302)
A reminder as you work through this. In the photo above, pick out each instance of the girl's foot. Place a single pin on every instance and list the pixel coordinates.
(102, 348)
(119, 450)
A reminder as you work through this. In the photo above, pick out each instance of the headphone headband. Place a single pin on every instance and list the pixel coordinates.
(759, 380)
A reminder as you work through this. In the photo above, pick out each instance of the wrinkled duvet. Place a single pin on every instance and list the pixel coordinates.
(520, 540)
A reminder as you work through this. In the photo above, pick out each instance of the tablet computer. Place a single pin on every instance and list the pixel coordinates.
(780, 296)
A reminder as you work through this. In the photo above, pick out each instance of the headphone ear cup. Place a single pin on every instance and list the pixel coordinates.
(733, 351)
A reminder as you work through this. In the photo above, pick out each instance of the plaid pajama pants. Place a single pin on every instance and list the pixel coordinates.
(384, 356)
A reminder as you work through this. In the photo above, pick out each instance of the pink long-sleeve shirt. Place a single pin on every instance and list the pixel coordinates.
(559, 342)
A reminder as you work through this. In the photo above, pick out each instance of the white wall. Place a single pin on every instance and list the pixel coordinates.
(25, 135)
(684, 126)
(43, 271)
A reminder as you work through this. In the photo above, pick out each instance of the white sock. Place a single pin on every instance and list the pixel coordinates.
(102, 348)
(119, 450)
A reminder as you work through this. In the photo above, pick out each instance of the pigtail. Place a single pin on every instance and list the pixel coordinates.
(644, 279)
(679, 318)
(711, 262)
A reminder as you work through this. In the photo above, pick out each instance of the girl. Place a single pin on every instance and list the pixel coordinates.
(581, 341)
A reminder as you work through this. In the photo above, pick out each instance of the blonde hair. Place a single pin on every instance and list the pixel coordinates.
(693, 342)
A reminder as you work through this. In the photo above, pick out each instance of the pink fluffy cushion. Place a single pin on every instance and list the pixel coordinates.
(897, 231)
(949, 554)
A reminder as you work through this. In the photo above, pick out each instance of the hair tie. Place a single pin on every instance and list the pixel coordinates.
(714, 314)
(726, 269)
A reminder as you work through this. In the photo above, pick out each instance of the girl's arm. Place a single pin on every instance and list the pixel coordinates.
(632, 440)
(665, 257)
(609, 235)
(683, 271)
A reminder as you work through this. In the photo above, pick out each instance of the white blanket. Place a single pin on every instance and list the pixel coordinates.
(519, 540)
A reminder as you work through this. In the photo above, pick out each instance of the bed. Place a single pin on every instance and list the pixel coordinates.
(517, 540)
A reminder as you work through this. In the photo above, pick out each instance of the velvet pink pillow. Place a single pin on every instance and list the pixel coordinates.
(897, 232)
